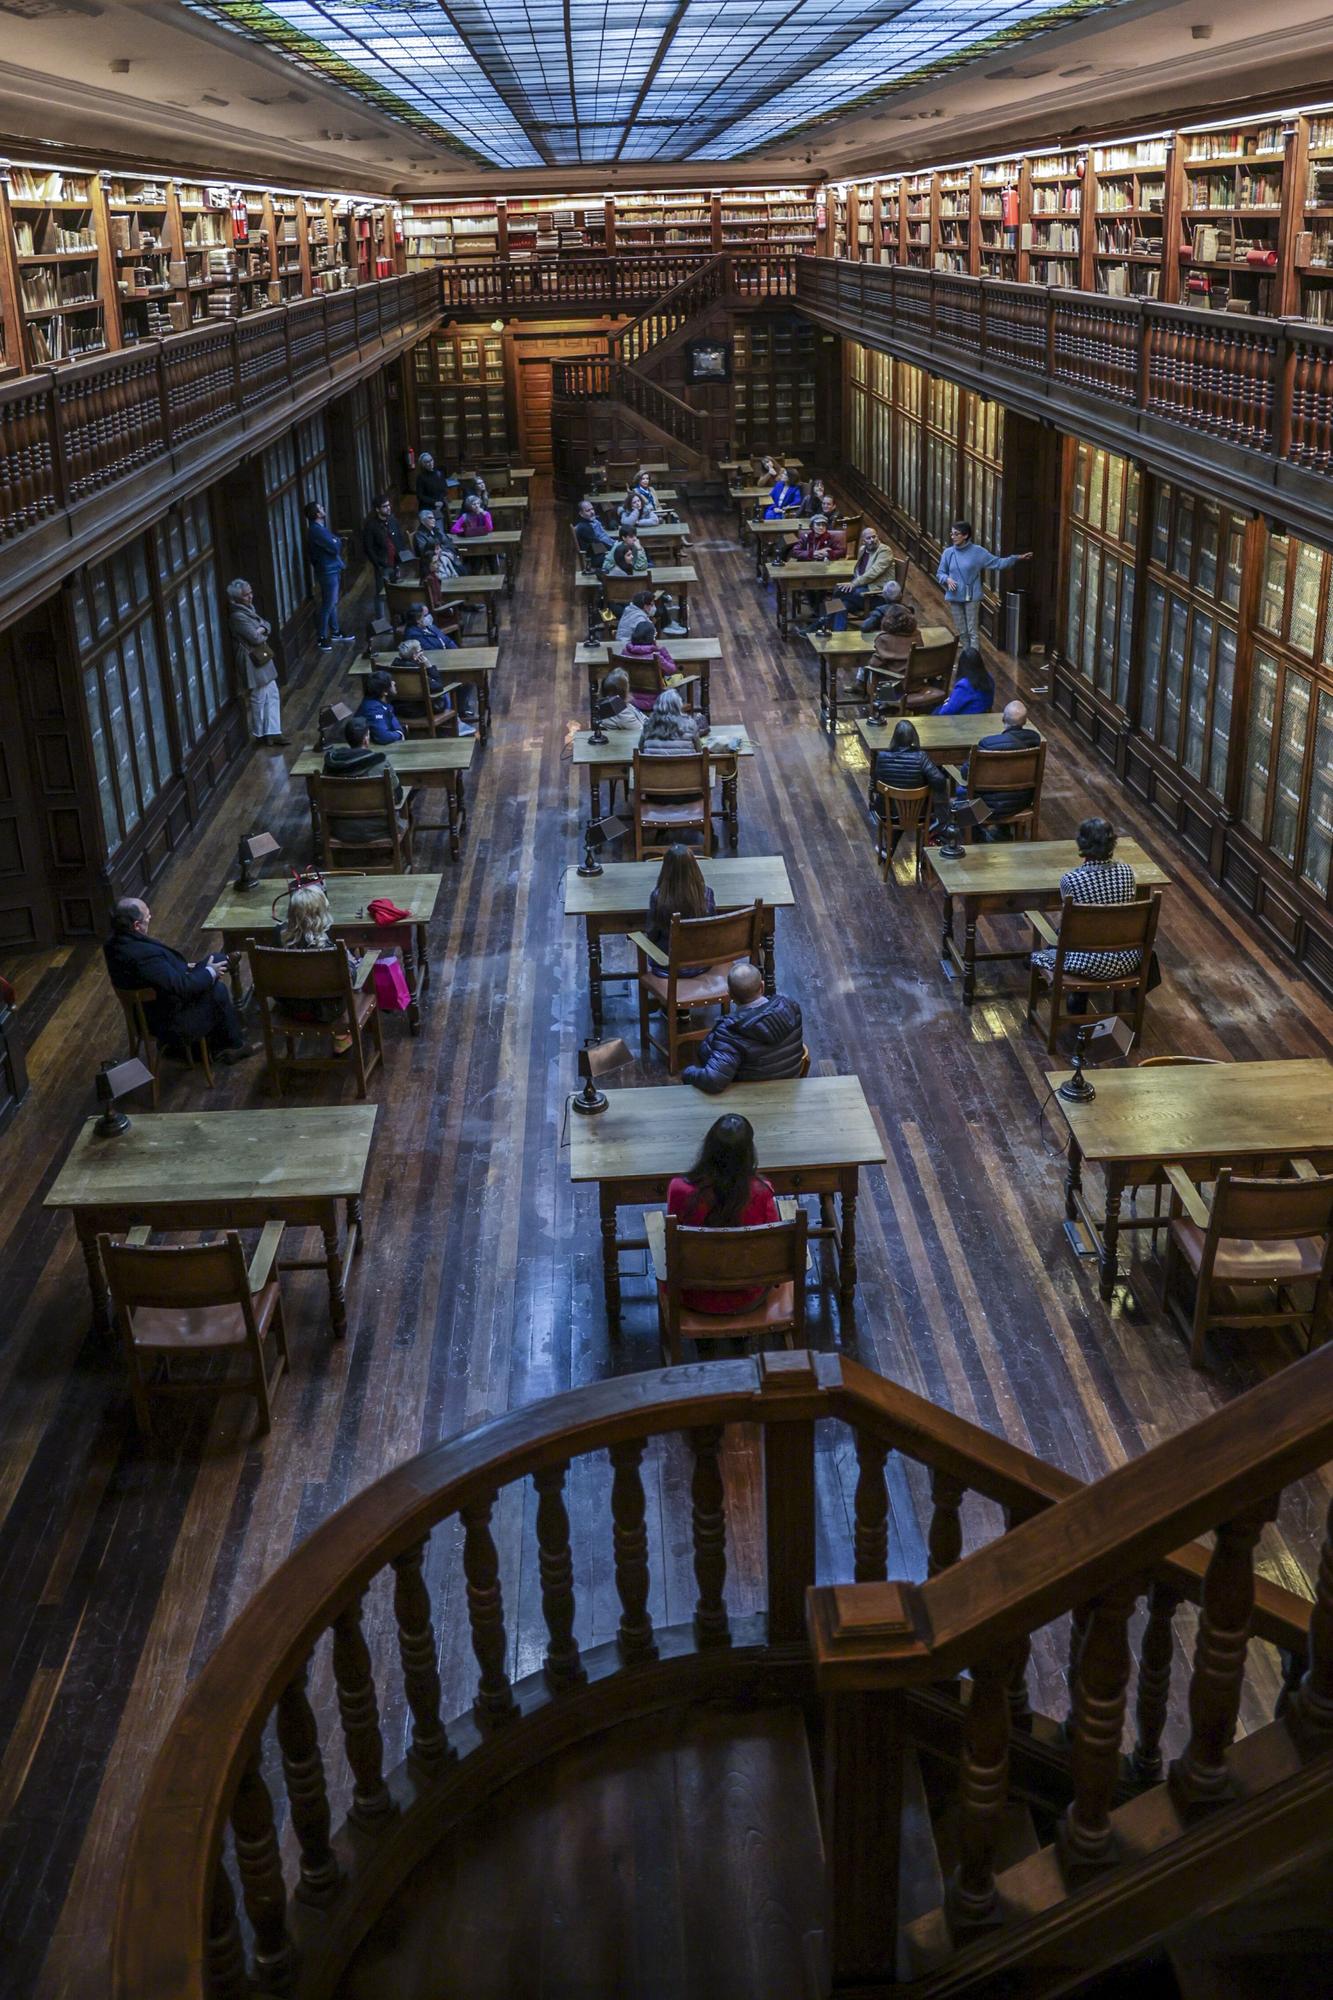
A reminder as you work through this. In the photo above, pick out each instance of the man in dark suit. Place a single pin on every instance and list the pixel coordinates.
(189, 1000)
(1015, 735)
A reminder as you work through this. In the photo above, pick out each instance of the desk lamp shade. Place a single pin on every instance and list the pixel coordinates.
(598, 832)
(963, 813)
(250, 851)
(114, 1081)
(597, 1059)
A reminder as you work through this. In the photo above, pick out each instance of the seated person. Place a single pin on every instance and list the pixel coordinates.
(639, 510)
(785, 493)
(891, 593)
(427, 536)
(973, 690)
(1098, 879)
(815, 541)
(874, 568)
(422, 628)
(189, 1001)
(658, 605)
(668, 731)
(474, 488)
(759, 1041)
(894, 639)
(643, 644)
(593, 539)
(627, 558)
(1015, 735)
(816, 501)
(411, 654)
(723, 1190)
(309, 927)
(681, 892)
(357, 757)
(905, 765)
(624, 716)
(376, 709)
(474, 520)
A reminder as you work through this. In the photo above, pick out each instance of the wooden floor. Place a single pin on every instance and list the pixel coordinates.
(480, 1288)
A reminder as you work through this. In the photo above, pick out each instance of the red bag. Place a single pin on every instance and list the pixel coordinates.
(385, 911)
(392, 995)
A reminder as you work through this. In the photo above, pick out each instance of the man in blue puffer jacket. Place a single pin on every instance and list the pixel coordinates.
(759, 1041)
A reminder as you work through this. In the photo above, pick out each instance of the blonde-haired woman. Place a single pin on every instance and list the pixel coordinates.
(309, 927)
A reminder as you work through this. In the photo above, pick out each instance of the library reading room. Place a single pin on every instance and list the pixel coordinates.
(666, 1000)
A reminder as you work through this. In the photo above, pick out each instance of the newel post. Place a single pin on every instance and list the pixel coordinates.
(789, 1498)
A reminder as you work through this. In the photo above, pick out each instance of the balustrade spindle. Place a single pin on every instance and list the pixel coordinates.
(983, 1788)
(629, 1537)
(1099, 1719)
(944, 1543)
(307, 1792)
(1020, 1705)
(358, 1707)
(1313, 1705)
(485, 1605)
(1154, 1689)
(1199, 1777)
(263, 1889)
(871, 1509)
(563, 1666)
(1078, 1626)
(224, 1953)
(708, 1522)
(431, 1748)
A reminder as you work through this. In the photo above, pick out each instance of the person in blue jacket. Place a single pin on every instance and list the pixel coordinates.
(377, 709)
(959, 577)
(784, 495)
(973, 690)
(324, 553)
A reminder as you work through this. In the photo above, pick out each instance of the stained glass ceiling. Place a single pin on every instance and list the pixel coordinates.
(531, 83)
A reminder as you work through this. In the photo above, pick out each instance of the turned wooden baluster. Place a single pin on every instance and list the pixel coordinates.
(1099, 1719)
(708, 1521)
(359, 1710)
(944, 1543)
(871, 1534)
(1199, 1777)
(485, 1606)
(1154, 1689)
(1313, 1704)
(1078, 1626)
(431, 1748)
(224, 1954)
(983, 1787)
(259, 1866)
(307, 1792)
(1020, 1706)
(629, 1538)
(563, 1666)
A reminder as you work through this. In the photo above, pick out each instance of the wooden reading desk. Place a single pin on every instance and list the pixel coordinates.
(1013, 875)
(473, 665)
(435, 763)
(223, 1170)
(248, 913)
(768, 536)
(667, 576)
(616, 902)
(950, 737)
(523, 472)
(402, 596)
(614, 760)
(1254, 1115)
(516, 504)
(812, 1136)
(695, 655)
(611, 502)
(831, 648)
(787, 577)
(658, 467)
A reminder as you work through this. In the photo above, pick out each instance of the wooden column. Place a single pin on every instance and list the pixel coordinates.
(861, 1813)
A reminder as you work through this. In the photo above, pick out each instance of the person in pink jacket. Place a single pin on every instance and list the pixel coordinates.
(474, 519)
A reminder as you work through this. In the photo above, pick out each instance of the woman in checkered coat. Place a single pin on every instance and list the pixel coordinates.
(1101, 880)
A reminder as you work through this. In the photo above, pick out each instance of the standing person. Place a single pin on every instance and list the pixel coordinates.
(385, 544)
(724, 1190)
(432, 484)
(324, 553)
(959, 577)
(189, 1001)
(254, 665)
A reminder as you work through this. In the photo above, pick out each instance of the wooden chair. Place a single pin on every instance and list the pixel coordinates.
(1091, 927)
(1273, 1235)
(619, 590)
(710, 944)
(285, 981)
(133, 1000)
(905, 812)
(198, 1299)
(851, 525)
(673, 796)
(365, 799)
(731, 1260)
(1010, 771)
(497, 473)
(920, 682)
(647, 677)
(622, 471)
(422, 718)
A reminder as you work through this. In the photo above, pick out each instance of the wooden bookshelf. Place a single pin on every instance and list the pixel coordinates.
(775, 385)
(890, 220)
(1231, 205)
(1128, 217)
(954, 211)
(1313, 237)
(767, 219)
(918, 207)
(1052, 236)
(644, 223)
(64, 287)
(995, 234)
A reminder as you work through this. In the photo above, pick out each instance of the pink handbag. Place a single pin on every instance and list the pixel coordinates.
(392, 995)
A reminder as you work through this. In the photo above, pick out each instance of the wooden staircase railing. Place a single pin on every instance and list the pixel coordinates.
(1093, 1557)
(698, 292)
(673, 418)
(338, 1654)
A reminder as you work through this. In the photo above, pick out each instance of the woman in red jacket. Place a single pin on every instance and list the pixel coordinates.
(724, 1190)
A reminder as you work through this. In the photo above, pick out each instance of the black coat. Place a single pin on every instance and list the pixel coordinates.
(384, 542)
(1004, 804)
(185, 1006)
(432, 487)
(907, 770)
(758, 1044)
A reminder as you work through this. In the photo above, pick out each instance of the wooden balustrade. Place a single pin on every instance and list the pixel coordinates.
(608, 284)
(365, 1578)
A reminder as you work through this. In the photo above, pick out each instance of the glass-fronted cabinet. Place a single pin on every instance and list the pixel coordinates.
(1287, 801)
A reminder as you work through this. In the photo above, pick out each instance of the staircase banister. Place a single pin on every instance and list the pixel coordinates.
(1022, 1483)
(1124, 1525)
(662, 303)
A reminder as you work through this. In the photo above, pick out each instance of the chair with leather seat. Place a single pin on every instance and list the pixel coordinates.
(143, 1042)
(361, 801)
(290, 985)
(198, 1300)
(920, 681)
(646, 676)
(1270, 1235)
(772, 1254)
(619, 589)
(692, 972)
(1014, 771)
(906, 811)
(1093, 927)
(672, 798)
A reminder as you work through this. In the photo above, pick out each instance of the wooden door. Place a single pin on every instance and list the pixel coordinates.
(534, 413)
